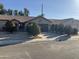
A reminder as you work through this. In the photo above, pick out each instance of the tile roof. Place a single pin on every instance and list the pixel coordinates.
(20, 18)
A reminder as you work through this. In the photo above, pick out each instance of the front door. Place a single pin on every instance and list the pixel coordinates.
(21, 27)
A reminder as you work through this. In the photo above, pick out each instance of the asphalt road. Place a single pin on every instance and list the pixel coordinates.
(42, 50)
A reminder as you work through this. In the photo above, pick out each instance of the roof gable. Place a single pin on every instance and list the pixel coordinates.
(40, 19)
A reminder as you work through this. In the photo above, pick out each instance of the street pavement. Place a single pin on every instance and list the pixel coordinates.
(42, 50)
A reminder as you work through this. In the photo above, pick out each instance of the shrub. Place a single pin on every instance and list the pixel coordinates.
(75, 31)
(33, 29)
(9, 27)
(61, 29)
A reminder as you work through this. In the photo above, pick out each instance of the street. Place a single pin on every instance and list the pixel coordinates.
(42, 50)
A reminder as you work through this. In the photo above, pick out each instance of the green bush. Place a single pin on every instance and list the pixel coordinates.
(33, 29)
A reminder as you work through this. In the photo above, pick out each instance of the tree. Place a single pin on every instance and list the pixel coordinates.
(15, 12)
(10, 27)
(21, 13)
(26, 12)
(1, 6)
(1, 9)
(33, 29)
(9, 12)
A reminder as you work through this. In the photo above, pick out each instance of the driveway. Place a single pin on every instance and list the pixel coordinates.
(10, 39)
(20, 37)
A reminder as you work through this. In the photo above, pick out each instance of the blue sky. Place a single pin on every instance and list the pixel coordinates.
(52, 8)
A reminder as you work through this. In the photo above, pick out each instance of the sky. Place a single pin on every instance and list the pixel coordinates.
(53, 9)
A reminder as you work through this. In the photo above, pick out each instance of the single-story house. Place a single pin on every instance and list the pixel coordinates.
(44, 23)
(22, 22)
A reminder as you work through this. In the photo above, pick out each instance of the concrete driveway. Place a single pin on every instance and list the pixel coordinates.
(20, 37)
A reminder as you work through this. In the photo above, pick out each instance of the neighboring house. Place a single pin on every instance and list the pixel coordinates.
(45, 24)
(72, 22)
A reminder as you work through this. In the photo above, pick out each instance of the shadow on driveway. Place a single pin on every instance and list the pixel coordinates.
(7, 42)
(63, 38)
(50, 35)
